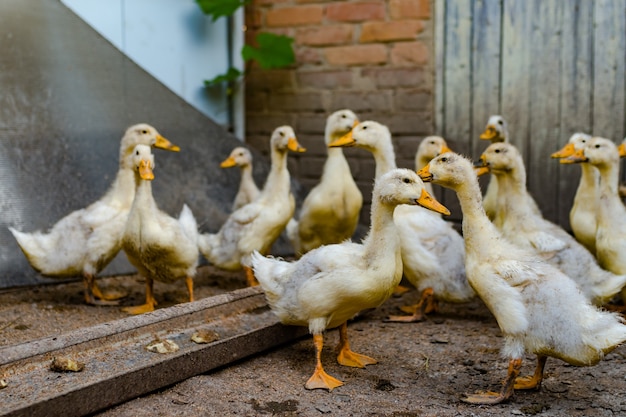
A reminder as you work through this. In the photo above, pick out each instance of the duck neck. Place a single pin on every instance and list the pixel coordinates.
(278, 178)
(144, 201)
(382, 242)
(122, 191)
(385, 158)
(609, 178)
(336, 164)
(247, 181)
(513, 196)
(588, 178)
(475, 221)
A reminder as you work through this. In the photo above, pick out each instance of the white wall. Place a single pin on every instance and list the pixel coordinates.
(174, 42)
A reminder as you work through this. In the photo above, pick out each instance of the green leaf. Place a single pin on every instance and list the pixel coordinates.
(231, 75)
(219, 8)
(274, 51)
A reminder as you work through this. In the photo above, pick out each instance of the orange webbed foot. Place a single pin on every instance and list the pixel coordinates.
(144, 308)
(353, 359)
(321, 380)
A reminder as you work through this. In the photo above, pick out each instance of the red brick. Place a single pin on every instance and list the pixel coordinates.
(296, 102)
(308, 56)
(410, 53)
(264, 124)
(270, 80)
(378, 101)
(253, 19)
(256, 101)
(295, 16)
(407, 9)
(324, 79)
(269, 2)
(356, 55)
(356, 12)
(413, 100)
(409, 123)
(396, 77)
(311, 123)
(324, 35)
(390, 31)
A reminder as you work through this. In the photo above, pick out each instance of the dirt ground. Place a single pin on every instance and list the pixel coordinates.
(424, 368)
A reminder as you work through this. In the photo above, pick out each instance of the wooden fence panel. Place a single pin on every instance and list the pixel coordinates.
(558, 67)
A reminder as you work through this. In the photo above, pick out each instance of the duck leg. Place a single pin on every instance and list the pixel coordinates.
(189, 283)
(150, 301)
(94, 296)
(490, 397)
(426, 304)
(346, 356)
(533, 382)
(250, 278)
(320, 379)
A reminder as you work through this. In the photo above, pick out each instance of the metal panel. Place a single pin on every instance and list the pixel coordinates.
(66, 97)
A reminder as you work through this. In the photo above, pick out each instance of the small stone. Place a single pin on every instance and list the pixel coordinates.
(66, 365)
(3, 383)
(162, 346)
(205, 336)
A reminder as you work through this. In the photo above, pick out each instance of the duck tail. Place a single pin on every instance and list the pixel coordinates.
(268, 272)
(188, 223)
(30, 244)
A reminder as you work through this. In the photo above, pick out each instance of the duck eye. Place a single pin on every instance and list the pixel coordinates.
(137, 153)
(144, 131)
(444, 159)
(365, 127)
(499, 122)
(282, 134)
(406, 180)
(343, 116)
(597, 146)
(497, 151)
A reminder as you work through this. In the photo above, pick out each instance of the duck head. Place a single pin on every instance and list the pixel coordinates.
(284, 138)
(239, 157)
(496, 130)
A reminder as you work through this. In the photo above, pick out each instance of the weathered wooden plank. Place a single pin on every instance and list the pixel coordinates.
(485, 69)
(544, 89)
(515, 100)
(576, 93)
(457, 90)
(440, 50)
(609, 68)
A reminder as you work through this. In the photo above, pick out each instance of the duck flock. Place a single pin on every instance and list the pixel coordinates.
(548, 290)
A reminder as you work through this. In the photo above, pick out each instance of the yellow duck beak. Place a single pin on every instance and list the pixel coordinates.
(566, 151)
(489, 133)
(228, 162)
(163, 143)
(345, 140)
(426, 200)
(425, 174)
(445, 149)
(294, 146)
(481, 167)
(578, 156)
(622, 150)
(145, 170)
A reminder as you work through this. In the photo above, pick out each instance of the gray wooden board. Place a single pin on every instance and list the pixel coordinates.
(66, 98)
(117, 365)
(561, 69)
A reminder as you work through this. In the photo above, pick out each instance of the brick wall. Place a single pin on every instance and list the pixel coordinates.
(375, 57)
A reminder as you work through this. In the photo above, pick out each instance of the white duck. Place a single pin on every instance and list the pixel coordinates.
(329, 285)
(517, 221)
(432, 251)
(538, 308)
(330, 212)
(582, 215)
(257, 225)
(160, 247)
(86, 240)
(248, 191)
(497, 130)
(611, 232)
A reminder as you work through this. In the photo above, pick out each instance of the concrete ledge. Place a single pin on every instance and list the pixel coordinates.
(117, 365)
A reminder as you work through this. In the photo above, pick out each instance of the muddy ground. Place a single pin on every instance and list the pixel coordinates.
(424, 368)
